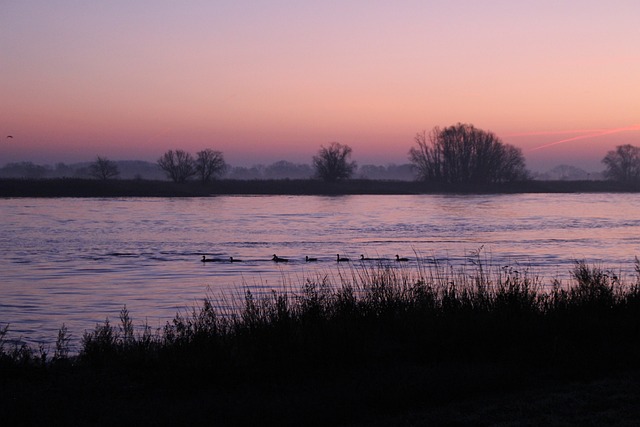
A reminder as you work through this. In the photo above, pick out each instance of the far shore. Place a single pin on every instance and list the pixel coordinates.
(76, 187)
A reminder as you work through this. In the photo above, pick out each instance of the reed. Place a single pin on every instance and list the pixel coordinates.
(429, 333)
(383, 313)
(424, 308)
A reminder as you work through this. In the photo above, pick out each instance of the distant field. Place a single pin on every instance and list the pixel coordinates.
(74, 187)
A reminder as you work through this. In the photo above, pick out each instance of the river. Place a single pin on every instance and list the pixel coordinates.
(78, 261)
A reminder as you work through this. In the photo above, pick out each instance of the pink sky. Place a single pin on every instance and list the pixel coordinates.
(263, 81)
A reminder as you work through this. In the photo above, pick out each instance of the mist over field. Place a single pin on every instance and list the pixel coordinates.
(138, 169)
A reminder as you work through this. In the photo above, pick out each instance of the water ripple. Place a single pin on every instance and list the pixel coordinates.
(79, 261)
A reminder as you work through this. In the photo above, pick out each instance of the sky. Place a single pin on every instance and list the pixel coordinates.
(273, 80)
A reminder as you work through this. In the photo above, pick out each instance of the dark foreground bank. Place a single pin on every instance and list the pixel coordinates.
(383, 346)
(73, 187)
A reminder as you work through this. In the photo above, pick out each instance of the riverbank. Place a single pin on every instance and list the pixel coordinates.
(73, 187)
(611, 399)
(382, 346)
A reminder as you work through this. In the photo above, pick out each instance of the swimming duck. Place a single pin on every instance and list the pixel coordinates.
(342, 259)
(307, 259)
(401, 259)
(276, 258)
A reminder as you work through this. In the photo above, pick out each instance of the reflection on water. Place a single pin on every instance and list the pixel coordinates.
(77, 261)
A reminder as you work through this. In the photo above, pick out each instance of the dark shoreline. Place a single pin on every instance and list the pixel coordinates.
(75, 187)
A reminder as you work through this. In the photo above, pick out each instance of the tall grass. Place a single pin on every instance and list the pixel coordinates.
(366, 343)
(375, 316)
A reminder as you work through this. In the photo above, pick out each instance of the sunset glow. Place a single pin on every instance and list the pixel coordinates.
(269, 81)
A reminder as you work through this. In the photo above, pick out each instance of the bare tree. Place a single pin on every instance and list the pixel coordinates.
(209, 165)
(425, 158)
(623, 164)
(179, 165)
(332, 163)
(103, 168)
(465, 154)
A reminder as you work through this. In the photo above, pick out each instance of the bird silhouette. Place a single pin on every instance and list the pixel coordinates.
(205, 259)
(234, 260)
(364, 258)
(401, 259)
(342, 259)
(307, 259)
(276, 258)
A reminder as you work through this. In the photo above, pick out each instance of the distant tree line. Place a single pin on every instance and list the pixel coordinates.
(282, 169)
(139, 169)
(129, 169)
(567, 173)
(288, 170)
(458, 154)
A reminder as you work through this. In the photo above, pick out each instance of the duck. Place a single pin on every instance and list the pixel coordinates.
(342, 259)
(401, 259)
(307, 259)
(205, 259)
(276, 258)
(234, 260)
(364, 258)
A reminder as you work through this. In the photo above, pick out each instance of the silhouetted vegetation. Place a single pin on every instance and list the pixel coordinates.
(567, 173)
(210, 165)
(404, 172)
(332, 163)
(178, 165)
(27, 170)
(623, 164)
(103, 168)
(138, 169)
(181, 166)
(286, 170)
(370, 344)
(76, 187)
(465, 154)
(129, 169)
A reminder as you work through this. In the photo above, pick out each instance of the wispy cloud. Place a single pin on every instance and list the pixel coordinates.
(583, 134)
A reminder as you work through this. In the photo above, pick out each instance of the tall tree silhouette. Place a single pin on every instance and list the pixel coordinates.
(209, 165)
(623, 164)
(462, 154)
(103, 168)
(179, 165)
(332, 163)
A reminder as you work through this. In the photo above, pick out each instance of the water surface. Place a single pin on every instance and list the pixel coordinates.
(77, 261)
